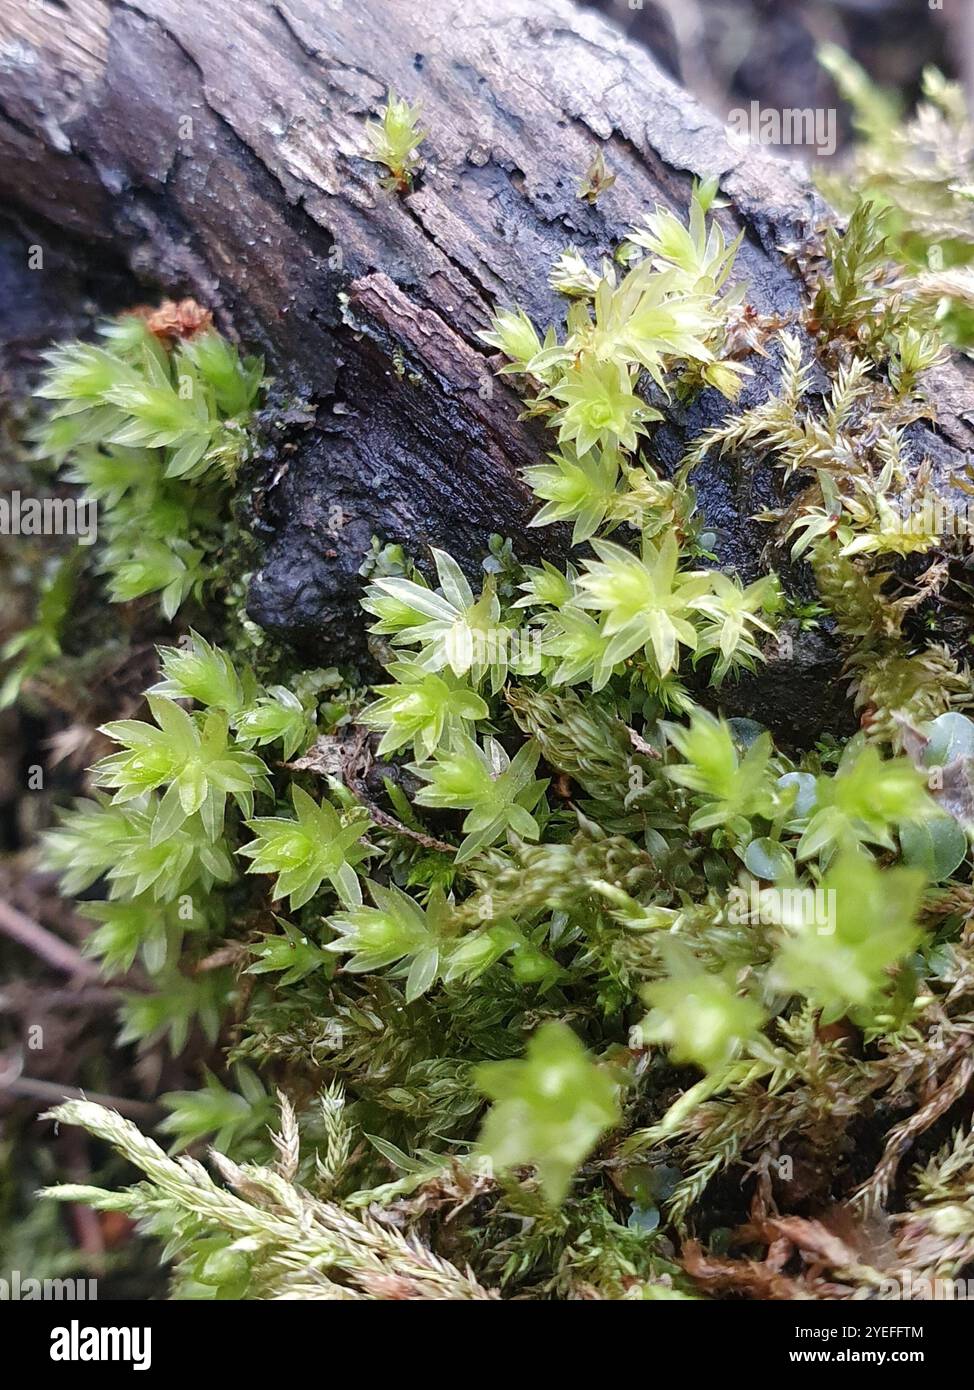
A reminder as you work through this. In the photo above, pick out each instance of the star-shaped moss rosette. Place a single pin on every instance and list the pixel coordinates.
(550, 1108)
(312, 849)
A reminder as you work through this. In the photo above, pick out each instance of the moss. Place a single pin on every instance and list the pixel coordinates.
(555, 989)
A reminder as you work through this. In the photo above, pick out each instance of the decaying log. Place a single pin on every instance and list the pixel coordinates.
(169, 146)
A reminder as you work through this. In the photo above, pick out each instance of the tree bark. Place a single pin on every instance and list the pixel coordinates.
(217, 150)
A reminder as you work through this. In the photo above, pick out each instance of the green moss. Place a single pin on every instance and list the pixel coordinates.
(578, 838)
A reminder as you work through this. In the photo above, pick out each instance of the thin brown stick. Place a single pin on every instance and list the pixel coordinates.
(22, 995)
(52, 1093)
(44, 944)
(357, 787)
(350, 761)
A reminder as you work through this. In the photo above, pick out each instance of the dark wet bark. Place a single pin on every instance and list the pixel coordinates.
(217, 150)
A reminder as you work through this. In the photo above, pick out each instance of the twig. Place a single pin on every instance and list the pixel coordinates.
(20, 995)
(357, 787)
(349, 760)
(50, 1092)
(641, 746)
(50, 948)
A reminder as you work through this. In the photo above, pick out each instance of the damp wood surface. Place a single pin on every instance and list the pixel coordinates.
(164, 147)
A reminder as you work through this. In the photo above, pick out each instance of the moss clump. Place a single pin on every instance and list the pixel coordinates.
(595, 946)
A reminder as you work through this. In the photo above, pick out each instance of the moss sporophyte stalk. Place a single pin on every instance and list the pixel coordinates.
(579, 945)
